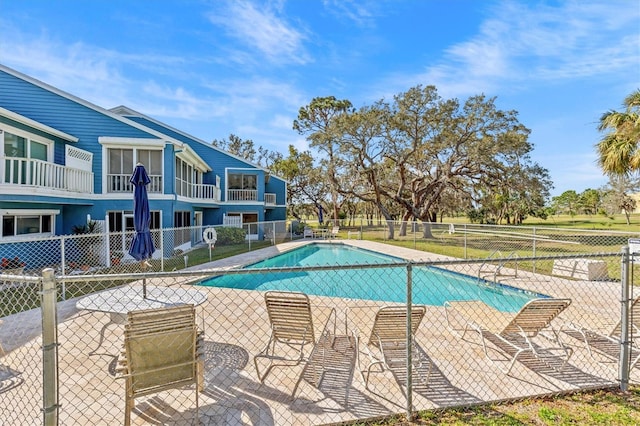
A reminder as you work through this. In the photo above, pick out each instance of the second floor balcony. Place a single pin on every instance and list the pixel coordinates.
(269, 198)
(242, 195)
(198, 191)
(117, 183)
(43, 174)
(250, 195)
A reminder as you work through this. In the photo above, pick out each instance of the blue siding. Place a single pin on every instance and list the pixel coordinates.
(219, 161)
(66, 115)
(81, 120)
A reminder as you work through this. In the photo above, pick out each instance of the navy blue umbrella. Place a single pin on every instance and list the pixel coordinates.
(320, 220)
(142, 247)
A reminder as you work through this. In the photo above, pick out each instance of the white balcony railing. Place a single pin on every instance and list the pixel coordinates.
(242, 195)
(200, 191)
(269, 198)
(43, 174)
(205, 191)
(120, 183)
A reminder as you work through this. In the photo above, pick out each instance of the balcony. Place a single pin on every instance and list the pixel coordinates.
(120, 183)
(43, 174)
(269, 199)
(198, 191)
(242, 195)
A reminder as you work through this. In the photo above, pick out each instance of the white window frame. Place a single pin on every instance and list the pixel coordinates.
(49, 143)
(195, 176)
(29, 212)
(128, 143)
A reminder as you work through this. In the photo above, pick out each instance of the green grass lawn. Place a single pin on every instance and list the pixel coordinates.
(615, 223)
(600, 407)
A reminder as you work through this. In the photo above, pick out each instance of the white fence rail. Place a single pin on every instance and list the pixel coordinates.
(242, 195)
(43, 174)
(120, 183)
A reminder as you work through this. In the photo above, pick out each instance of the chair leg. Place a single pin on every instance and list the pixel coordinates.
(200, 375)
(127, 411)
(197, 419)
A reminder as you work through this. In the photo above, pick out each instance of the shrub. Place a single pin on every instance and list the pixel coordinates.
(229, 236)
(90, 227)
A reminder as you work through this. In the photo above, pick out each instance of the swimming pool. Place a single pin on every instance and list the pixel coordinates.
(431, 285)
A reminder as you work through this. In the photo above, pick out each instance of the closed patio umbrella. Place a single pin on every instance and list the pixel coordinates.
(142, 246)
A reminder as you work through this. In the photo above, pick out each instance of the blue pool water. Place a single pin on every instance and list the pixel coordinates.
(431, 285)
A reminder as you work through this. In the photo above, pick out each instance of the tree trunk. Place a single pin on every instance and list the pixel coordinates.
(403, 225)
(426, 230)
(391, 229)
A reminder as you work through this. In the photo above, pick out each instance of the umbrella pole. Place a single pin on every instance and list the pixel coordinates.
(144, 265)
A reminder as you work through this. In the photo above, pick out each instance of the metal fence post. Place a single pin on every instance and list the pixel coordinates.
(465, 241)
(534, 249)
(415, 234)
(162, 250)
(49, 348)
(625, 350)
(409, 344)
(63, 267)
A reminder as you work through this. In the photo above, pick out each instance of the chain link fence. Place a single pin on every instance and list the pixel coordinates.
(362, 329)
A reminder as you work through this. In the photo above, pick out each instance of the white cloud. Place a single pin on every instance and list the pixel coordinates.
(75, 67)
(361, 13)
(261, 29)
(165, 101)
(523, 44)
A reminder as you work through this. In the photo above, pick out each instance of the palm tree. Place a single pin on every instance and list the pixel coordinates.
(619, 149)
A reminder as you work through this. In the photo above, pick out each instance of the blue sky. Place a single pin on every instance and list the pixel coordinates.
(217, 67)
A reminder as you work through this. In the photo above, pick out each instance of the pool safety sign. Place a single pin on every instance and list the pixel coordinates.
(634, 246)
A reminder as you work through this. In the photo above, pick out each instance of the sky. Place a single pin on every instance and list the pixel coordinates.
(216, 67)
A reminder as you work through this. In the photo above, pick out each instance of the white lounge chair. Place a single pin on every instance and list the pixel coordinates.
(291, 330)
(387, 344)
(308, 232)
(607, 344)
(334, 232)
(516, 330)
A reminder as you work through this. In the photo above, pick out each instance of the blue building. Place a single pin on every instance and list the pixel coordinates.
(65, 159)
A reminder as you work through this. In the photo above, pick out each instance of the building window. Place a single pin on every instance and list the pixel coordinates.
(242, 187)
(121, 230)
(152, 160)
(20, 153)
(119, 221)
(243, 181)
(17, 225)
(121, 165)
(182, 219)
(22, 147)
(187, 177)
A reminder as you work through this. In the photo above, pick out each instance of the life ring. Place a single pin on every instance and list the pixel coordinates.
(210, 236)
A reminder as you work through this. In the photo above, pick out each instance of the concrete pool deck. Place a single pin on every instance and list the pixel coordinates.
(236, 328)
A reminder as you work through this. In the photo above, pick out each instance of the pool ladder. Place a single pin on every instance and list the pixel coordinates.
(490, 269)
